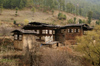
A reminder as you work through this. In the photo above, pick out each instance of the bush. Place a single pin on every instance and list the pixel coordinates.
(80, 21)
(70, 21)
(14, 22)
(89, 46)
(61, 16)
(33, 9)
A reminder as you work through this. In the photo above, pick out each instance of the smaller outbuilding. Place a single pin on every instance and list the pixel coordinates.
(24, 38)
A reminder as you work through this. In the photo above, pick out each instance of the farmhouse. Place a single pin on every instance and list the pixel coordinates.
(67, 34)
(47, 35)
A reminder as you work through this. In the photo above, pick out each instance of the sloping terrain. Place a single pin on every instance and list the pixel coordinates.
(8, 16)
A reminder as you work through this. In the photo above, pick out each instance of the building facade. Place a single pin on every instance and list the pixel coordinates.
(48, 34)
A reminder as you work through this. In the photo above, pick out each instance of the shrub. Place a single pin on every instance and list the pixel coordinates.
(33, 9)
(80, 21)
(70, 21)
(61, 16)
(16, 11)
(14, 22)
(26, 21)
(89, 46)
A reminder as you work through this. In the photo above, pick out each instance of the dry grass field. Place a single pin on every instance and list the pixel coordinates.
(8, 16)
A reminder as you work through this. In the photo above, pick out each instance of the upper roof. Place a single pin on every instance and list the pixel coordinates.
(37, 25)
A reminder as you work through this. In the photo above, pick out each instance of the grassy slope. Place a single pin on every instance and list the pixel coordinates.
(38, 16)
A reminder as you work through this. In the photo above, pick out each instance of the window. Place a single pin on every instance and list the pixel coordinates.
(77, 30)
(46, 31)
(69, 30)
(43, 31)
(38, 32)
(17, 37)
(20, 37)
(53, 31)
(50, 31)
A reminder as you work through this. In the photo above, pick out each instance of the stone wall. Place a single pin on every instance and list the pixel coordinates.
(18, 44)
(28, 41)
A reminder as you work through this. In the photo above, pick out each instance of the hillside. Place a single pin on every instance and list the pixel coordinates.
(87, 5)
(8, 16)
(79, 7)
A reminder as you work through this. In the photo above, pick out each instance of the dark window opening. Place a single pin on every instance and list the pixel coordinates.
(77, 30)
(17, 37)
(57, 45)
(69, 30)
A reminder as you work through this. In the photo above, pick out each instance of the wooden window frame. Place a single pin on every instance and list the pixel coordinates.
(50, 31)
(18, 37)
(69, 30)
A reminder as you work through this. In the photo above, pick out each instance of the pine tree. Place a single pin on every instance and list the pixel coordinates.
(90, 13)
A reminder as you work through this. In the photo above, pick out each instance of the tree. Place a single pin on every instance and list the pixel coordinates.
(90, 13)
(29, 3)
(70, 7)
(52, 12)
(80, 11)
(70, 21)
(22, 4)
(74, 20)
(98, 22)
(16, 11)
(1, 8)
(33, 9)
(89, 46)
(14, 22)
(61, 16)
(80, 21)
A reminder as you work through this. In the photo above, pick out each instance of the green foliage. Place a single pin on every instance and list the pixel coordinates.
(61, 16)
(79, 7)
(53, 12)
(16, 11)
(26, 21)
(70, 7)
(14, 22)
(80, 21)
(33, 9)
(70, 21)
(89, 46)
(80, 11)
(90, 13)
(1, 8)
(98, 22)
(74, 20)
(84, 21)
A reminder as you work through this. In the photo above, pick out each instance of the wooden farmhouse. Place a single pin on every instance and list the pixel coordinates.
(67, 34)
(47, 35)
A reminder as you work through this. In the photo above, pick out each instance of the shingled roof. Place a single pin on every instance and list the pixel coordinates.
(33, 25)
(85, 26)
(37, 23)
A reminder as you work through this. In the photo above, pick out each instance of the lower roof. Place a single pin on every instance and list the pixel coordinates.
(24, 31)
